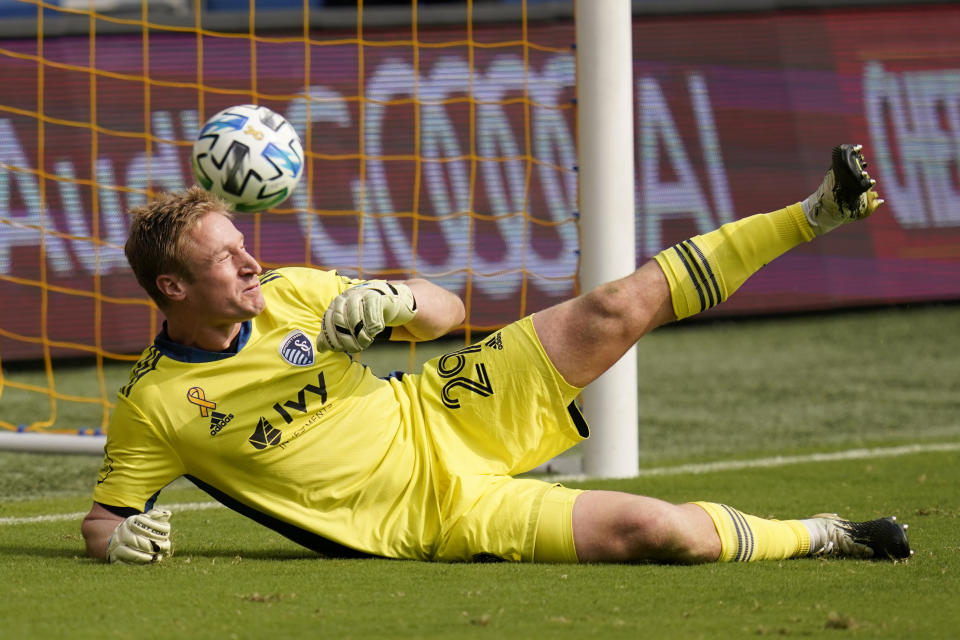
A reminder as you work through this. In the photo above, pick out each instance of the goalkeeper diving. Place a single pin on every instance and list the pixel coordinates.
(249, 391)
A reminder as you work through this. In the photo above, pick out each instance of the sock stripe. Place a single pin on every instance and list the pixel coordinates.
(736, 526)
(751, 542)
(706, 265)
(712, 266)
(745, 541)
(693, 277)
(702, 278)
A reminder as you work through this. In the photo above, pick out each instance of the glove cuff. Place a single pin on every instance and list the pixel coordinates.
(402, 306)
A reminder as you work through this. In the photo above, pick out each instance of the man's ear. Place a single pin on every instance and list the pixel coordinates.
(171, 286)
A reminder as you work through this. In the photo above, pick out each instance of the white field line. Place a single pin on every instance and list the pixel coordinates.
(782, 461)
(78, 515)
(705, 467)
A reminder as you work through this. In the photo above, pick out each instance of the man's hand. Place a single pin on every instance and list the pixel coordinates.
(141, 539)
(357, 315)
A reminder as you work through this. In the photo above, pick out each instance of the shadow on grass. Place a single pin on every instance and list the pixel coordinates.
(247, 554)
(10, 551)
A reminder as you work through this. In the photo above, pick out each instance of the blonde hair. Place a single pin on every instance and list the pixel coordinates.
(158, 235)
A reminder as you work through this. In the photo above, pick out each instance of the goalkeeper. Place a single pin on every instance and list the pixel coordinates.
(249, 391)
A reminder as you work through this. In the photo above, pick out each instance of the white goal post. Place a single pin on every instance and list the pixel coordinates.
(31, 442)
(605, 143)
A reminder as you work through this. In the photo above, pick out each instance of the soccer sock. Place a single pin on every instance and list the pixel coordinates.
(744, 538)
(705, 270)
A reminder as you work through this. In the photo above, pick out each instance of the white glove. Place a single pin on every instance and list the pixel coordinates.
(141, 539)
(357, 315)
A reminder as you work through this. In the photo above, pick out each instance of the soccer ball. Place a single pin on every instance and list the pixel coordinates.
(248, 155)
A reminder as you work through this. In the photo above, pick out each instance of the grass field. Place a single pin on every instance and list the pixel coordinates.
(774, 392)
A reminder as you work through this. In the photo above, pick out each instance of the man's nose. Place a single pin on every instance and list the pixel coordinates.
(250, 265)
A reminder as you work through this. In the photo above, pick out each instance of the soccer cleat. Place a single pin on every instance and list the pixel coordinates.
(846, 193)
(880, 539)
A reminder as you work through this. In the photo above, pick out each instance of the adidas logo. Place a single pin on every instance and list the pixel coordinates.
(218, 421)
(496, 342)
(265, 435)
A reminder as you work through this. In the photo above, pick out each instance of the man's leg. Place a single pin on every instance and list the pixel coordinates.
(610, 526)
(586, 335)
(619, 527)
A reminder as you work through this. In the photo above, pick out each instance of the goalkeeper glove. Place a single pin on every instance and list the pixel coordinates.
(357, 315)
(141, 539)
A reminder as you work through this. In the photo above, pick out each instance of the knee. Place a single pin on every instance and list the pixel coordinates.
(610, 309)
(646, 529)
(630, 306)
(610, 300)
(667, 535)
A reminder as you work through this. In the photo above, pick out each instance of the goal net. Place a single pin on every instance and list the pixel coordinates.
(439, 140)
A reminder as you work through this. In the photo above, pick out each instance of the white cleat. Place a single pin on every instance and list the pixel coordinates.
(881, 539)
(846, 193)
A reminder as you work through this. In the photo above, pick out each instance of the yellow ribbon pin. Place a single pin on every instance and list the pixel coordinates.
(196, 396)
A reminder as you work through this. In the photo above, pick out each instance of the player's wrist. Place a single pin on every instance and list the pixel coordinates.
(143, 538)
(362, 313)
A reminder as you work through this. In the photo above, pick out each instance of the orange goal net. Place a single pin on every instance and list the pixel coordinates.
(439, 143)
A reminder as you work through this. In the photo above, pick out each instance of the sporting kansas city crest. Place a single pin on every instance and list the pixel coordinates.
(297, 349)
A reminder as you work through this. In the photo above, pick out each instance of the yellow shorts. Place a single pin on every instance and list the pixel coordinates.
(492, 410)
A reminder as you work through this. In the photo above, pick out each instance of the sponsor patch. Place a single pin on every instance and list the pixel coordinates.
(265, 435)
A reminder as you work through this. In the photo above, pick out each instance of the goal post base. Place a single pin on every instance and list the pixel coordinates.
(31, 442)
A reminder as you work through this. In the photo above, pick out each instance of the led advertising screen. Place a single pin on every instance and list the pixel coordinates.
(455, 158)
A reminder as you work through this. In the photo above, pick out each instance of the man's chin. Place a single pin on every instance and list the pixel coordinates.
(257, 308)
(247, 312)
(253, 304)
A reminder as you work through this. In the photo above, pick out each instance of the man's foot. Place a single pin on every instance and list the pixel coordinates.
(881, 539)
(846, 193)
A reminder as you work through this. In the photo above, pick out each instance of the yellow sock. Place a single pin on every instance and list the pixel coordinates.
(705, 270)
(744, 538)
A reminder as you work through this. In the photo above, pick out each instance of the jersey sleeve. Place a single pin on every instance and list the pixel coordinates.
(318, 287)
(137, 462)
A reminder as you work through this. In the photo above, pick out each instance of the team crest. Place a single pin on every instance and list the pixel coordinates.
(297, 349)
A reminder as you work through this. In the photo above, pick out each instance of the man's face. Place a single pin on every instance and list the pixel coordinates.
(224, 285)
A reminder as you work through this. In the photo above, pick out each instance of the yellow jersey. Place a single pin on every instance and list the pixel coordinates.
(313, 445)
(308, 442)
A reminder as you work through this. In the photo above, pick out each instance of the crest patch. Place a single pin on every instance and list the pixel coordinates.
(297, 349)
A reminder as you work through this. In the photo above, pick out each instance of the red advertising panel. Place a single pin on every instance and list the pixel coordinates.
(769, 95)
(458, 162)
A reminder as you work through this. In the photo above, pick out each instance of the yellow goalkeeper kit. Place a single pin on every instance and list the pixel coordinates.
(315, 446)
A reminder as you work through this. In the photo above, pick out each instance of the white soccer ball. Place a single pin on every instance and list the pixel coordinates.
(248, 155)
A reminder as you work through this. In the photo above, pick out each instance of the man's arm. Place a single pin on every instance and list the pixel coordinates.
(97, 528)
(141, 538)
(438, 312)
(414, 309)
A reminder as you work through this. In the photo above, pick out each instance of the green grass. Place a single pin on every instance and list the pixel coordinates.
(781, 386)
(808, 382)
(231, 578)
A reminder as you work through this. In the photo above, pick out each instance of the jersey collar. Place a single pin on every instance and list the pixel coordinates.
(183, 353)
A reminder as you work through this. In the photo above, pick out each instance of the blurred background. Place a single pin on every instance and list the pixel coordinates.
(441, 142)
